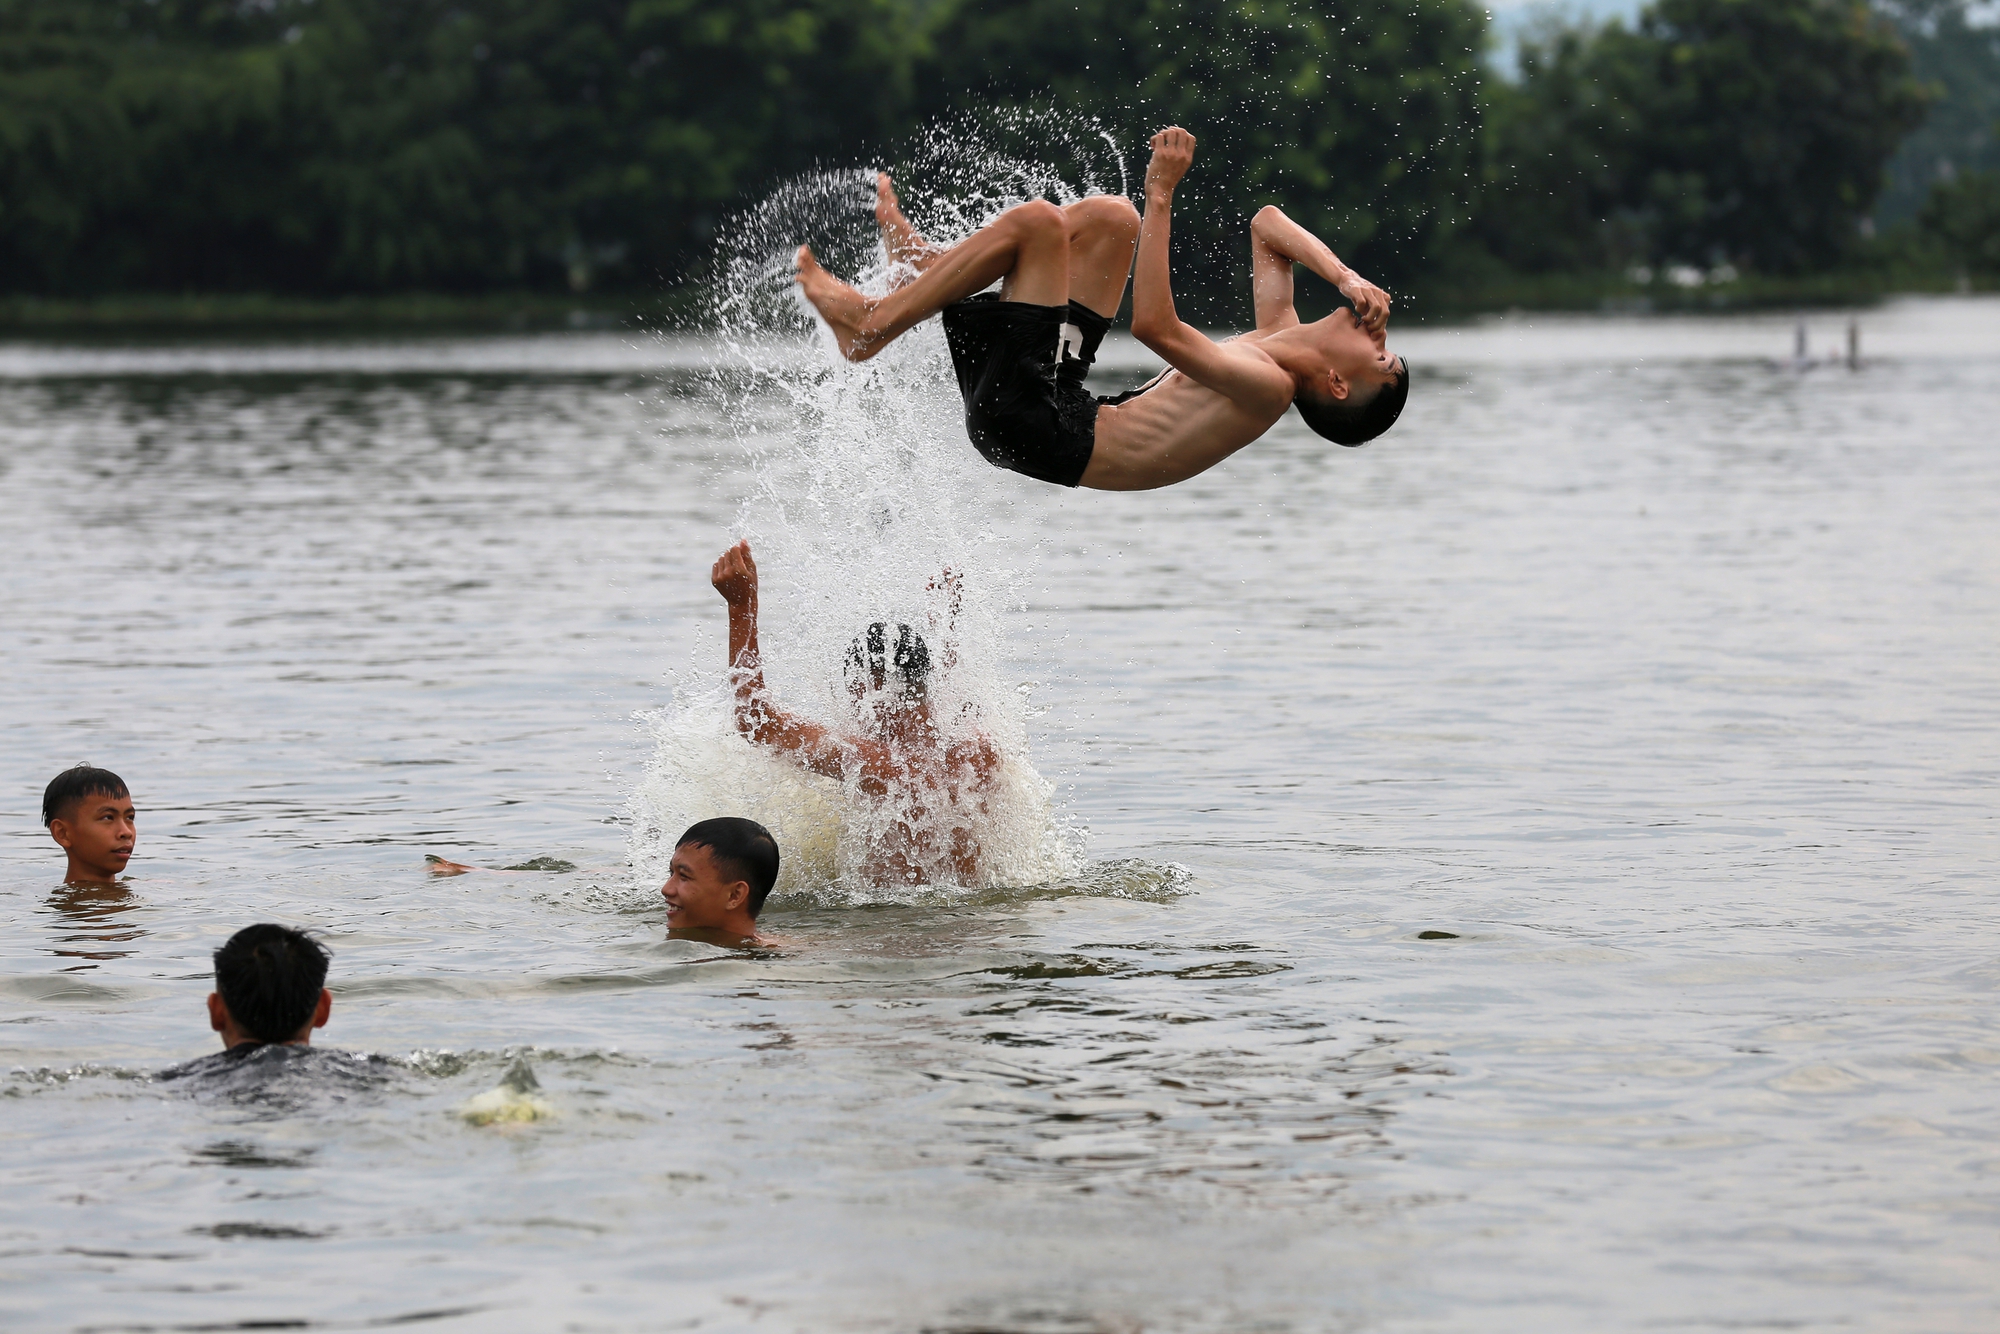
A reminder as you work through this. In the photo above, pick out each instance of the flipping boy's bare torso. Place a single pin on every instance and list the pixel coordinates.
(1172, 431)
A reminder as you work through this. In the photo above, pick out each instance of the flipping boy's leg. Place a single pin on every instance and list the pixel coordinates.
(1027, 247)
(1103, 234)
(903, 242)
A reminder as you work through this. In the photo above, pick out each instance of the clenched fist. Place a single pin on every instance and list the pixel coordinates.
(735, 574)
(1173, 154)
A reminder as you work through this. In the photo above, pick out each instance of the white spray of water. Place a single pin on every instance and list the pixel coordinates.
(865, 491)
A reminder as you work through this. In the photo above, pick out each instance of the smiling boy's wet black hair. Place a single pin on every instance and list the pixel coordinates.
(742, 849)
(1351, 424)
(67, 788)
(270, 978)
(871, 661)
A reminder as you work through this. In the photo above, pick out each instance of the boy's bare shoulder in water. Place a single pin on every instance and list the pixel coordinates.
(1021, 354)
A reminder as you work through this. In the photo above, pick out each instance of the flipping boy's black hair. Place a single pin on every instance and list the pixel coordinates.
(870, 653)
(740, 848)
(270, 978)
(70, 786)
(1350, 424)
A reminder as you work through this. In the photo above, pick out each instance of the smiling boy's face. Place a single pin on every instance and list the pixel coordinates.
(699, 896)
(98, 833)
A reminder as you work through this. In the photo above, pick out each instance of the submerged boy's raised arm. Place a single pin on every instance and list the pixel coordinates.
(757, 717)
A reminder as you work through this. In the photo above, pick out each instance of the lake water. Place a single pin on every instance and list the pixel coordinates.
(1539, 869)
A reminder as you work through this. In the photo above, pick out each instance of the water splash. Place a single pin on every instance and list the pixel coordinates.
(864, 493)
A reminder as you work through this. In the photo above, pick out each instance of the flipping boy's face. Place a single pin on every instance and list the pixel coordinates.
(1359, 355)
(99, 834)
(698, 894)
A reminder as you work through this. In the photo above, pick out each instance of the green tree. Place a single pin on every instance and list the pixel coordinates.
(129, 130)
(1558, 152)
(1751, 131)
(1359, 117)
(1964, 214)
(355, 145)
(1959, 62)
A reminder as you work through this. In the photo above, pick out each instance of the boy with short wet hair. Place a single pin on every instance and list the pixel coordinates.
(1021, 355)
(721, 873)
(270, 988)
(89, 813)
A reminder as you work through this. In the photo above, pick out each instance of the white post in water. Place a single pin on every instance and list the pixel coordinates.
(1799, 343)
(1854, 345)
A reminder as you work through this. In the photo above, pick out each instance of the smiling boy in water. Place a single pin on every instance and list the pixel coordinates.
(89, 813)
(1021, 357)
(720, 875)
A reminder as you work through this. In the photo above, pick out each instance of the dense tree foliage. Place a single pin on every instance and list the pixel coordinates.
(1958, 61)
(1964, 214)
(355, 145)
(1360, 117)
(1752, 132)
(334, 146)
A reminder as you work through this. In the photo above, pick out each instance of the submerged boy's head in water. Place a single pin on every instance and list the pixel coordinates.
(888, 667)
(721, 873)
(1021, 355)
(926, 787)
(270, 987)
(89, 813)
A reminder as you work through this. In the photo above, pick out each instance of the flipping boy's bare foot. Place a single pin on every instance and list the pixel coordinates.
(899, 238)
(844, 309)
(439, 866)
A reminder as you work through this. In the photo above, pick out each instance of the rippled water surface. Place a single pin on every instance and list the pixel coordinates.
(1541, 867)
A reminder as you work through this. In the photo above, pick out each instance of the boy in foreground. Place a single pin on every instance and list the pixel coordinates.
(270, 989)
(89, 813)
(1021, 357)
(722, 872)
(270, 994)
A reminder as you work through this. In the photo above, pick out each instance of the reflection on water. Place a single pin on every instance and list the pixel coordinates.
(94, 915)
(1538, 869)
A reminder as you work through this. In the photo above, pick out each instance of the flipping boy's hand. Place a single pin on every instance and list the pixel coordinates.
(1173, 154)
(735, 574)
(1371, 303)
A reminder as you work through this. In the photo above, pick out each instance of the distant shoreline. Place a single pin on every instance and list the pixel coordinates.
(1682, 292)
(245, 312)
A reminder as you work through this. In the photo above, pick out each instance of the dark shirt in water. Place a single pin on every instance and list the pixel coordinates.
(279, 1076)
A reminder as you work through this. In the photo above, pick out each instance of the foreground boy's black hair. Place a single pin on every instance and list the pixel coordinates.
(1352, 424)
(67, 788)
(740, 848)
(910, 659)
(270, 978)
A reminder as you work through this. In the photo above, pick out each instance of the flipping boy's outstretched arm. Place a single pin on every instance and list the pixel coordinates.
(1277, 243)
(1240, 373)
(757, 717)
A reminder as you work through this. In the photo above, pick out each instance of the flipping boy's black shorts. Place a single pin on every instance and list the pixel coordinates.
(1020, 369)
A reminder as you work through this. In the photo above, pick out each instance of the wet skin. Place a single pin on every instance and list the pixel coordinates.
(99, 833)
(1217, 397)
(898, 756)
(704, 903)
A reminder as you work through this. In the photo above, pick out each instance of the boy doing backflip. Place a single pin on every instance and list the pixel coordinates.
(1021, 355)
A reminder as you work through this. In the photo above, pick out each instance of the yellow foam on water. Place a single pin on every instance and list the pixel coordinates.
(503, 1106)
(513, 1102)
